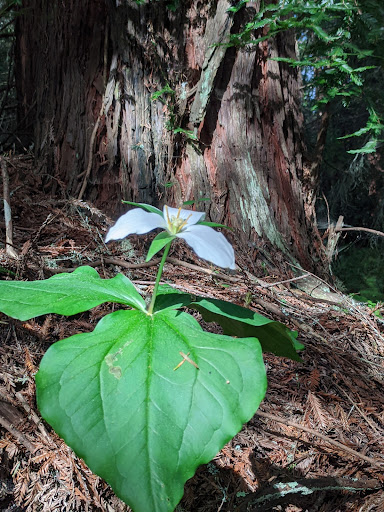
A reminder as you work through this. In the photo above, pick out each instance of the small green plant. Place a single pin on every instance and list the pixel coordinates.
(187, 133)
(196, 201)
(149, 395)
(376, 307)
(161, 94)
(167, 96)
(172, 5)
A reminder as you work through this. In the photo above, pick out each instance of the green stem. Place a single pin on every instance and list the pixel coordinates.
(159, 272)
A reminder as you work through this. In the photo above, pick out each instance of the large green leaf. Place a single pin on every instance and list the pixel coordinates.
(169, 297)
(158, 243)
(146, 207)
(120, 398)
(66, 294)
(274, 336)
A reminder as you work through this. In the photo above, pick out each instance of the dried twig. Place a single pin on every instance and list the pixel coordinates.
(174, 261)
(34, 417)
(362, 413)
(7, 211)
(110, 261)
(368, 230)
(271, 285)
(208, 271)
(21, 438)
(107, 98)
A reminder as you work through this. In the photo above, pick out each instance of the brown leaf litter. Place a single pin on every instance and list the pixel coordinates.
(316, 444)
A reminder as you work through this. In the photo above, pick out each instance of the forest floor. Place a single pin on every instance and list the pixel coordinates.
(316, 443)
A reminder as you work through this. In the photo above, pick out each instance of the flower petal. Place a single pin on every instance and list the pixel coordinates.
(135, 222)
(210, 245)
(194, 217)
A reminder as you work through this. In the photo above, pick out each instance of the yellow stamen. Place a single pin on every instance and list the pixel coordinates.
(183, 224)
(176, 223)
(168, 219)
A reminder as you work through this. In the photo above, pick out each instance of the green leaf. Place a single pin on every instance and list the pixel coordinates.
(237, 7)
(171, 298)
(359, 132)
(116, 397)
(160, 241)
(188, 133)
(66, 294)
(165, 90)
(147, 207)
(274, 336)
(193, 201)
(214, 224)
(369, 147)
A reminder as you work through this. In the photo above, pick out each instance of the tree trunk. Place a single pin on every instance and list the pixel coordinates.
(144, 103)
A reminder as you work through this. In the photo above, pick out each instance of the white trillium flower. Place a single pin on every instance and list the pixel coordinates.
(207, 243)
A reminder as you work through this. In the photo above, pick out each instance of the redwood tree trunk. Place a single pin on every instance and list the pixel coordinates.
(141, 103)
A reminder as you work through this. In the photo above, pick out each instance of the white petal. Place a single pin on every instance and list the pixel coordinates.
(194, 217)
(135, 222)
(210, 245)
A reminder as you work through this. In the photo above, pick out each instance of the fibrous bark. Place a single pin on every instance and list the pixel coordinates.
(180, 115)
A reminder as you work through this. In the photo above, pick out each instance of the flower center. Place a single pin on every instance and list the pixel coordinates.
(176, 223)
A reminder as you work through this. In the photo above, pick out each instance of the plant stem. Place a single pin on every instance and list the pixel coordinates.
(159, 272)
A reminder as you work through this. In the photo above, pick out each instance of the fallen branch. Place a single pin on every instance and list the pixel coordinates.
(17, 434)
(325, 438)
(281, 492)
(174, 261)
(110, 261)
(368, 230)
(208, 271)
(10, 250)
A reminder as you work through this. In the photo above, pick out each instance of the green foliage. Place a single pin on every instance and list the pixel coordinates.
(237, 321)
(158, 243)
(66, 294)
(171, 5)
(375, 307)
(236, 8)
(188, 133)
(196, 201)
(162, 94)
(167, 96)
(142, 422)
(374, 127)
(147, 207)
(339, 43)
(147, 397)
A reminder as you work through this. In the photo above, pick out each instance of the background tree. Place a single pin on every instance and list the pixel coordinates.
(7, 85)
(148, 103)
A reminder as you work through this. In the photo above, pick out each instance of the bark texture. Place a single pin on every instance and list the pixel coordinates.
(145, 103)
